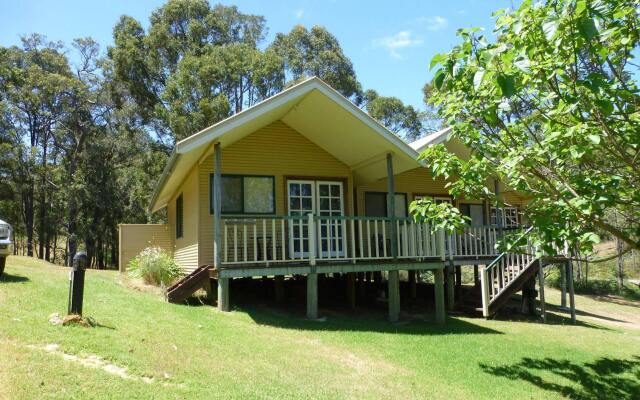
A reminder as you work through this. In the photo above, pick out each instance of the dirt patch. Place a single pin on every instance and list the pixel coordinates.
(139, 285)
(93, 361)
(362, 369)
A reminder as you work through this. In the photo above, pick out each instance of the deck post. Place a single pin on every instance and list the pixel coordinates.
(279, 288)
(223, 294)
(351, 289)
(393, 279)
(438, 275)
(476, 276)
(563, 285)
(312, 277)
(391, 206)
(543, 306)
(412, 283)
(223, 283)
(312, 295)
(572, 300)
(361, 285)
(499, 205)
(394, 295)
(451, 287)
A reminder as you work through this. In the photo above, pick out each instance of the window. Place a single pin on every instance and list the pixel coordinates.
(474, 211)
(179, 217)
(375, 204)
(245, 194)
(509, 217)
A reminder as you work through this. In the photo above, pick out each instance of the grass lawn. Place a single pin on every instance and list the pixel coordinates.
(146, 348)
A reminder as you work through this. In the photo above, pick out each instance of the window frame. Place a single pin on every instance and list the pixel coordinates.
(179, 217)
(242, 194)
(493, 215)
(386, 202)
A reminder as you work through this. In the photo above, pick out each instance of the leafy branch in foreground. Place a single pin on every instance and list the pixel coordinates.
(550, 108)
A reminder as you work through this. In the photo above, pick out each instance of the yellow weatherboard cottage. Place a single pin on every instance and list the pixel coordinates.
(306, 183)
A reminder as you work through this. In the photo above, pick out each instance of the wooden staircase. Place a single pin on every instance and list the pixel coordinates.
(185, 287)
(506, 275)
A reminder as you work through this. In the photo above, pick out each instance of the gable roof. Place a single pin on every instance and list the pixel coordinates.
(316, 111)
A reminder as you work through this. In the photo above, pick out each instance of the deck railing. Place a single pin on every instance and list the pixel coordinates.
(312, 238)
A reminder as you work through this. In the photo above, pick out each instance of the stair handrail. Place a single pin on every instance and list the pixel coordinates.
(485, 273)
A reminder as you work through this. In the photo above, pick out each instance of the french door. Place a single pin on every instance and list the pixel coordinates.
(321, 198)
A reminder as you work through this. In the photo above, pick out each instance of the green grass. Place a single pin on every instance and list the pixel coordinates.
(258, 352)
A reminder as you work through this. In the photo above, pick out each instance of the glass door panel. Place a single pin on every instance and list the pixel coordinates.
(301, 203)
(332, 233)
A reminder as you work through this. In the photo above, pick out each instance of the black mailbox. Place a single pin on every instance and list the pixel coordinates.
(76, 286)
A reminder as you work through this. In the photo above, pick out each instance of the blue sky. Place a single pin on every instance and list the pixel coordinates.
(390, 43)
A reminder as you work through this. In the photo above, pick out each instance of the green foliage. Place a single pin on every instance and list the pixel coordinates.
(194, 66)
(154, 266)
(441, 216)
(317, 52)
(392, 113)
(551, 109)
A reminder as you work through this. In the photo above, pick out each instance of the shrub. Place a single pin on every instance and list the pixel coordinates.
(154, 266)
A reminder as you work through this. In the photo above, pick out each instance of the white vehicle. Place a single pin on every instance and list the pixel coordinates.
(6, 246)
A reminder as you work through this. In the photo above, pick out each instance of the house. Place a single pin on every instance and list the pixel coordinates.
(306, 183)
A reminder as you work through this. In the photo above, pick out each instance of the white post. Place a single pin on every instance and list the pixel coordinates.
(217, 206)
(484, 286)
(312, 240)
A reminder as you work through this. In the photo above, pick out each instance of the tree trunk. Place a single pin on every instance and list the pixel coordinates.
(27, 201)
(42, 234)
(620, 265)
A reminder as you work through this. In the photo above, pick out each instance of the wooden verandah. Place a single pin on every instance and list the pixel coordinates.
(308, 245)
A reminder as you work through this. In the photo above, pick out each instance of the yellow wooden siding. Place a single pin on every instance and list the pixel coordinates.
(185, 250)
(136, 237)
(420, 182)
(277, 150)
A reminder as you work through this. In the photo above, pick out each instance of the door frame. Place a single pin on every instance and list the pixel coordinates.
(342, 223)
(293, 223)
(314, 181)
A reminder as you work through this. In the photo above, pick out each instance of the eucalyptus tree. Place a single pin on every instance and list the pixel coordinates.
(36, 79)
(316, 52)
(551, 108)
(194, 65)
(403, 120)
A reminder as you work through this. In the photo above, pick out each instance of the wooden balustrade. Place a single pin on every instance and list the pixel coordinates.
(284, 239)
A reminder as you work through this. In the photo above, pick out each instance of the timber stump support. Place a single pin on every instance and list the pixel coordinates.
(438, 276)
(412, 283)
(279, 288)
(223, 294)
(451, 287)
(351, 289)
(312, 296)
(394, 296)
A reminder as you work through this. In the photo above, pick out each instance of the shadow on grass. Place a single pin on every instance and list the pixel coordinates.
(606, 289)
(357, 322)
(552, 319)
(604, 378)
(13, 278)
(581, 313)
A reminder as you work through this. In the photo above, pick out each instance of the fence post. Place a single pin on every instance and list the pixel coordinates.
(441, 245)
